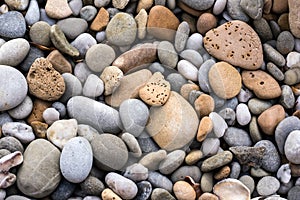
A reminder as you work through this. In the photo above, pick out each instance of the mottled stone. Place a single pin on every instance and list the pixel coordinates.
(40, 33)
(101, 20)
(216, 161)
(58, 9)
(251, 156)
(12, 24)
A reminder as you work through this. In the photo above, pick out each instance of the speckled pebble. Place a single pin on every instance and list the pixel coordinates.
(40, 33)
(160, 193)
(237, 137)
(144, 190)
(285, 42)
(12, 24)
(267, 185)
(92, 186)
(136, 172)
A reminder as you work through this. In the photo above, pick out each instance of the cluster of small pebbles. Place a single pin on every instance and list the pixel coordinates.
(150, 99)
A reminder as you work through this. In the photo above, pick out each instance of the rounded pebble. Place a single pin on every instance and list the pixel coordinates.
(267, 185)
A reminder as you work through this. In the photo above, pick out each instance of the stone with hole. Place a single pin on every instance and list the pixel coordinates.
(236, 43)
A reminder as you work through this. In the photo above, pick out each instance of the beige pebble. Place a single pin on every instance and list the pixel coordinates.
(206, 22)
(193, 157)
(208, 196)
(108, 194)
(58, 9)
(100, 21)
(224, 172)
(111, 77)
(141, 20)
(59, 62)
(205, 127)
(224, 190)
(144, 4)
(280, 6)
(294, 18)
(39, 128)
(184, 191)
(120, 4)
(204, 105)
(187, 88)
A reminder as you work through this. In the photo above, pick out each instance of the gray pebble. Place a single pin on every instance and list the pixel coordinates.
(64, 190)
(203, 75)
(284, 173)
(92, 186)
(73, 87)
(297, 44)
(112, 12)
(275, 71)
(248, 182)
(44, 17)
(16, 197)
(5, 117)
(83, 42)
(267, 185)
(263, 29)
(75, 6)
(195, 42)
(193, 95)
(101, 3)
(285, 42)
(132, 144)
(207, 182)
(199, 5)
(258, 172)
(40, 33)
(210, 146)
(285, 188)
(275, 28)
(136, 172)
(21, 131)
(235, 170)
(253, 8)
(88, 13)
(287, 98)
(71, 31)
(160, 193)
(147, 144)
(243, 114)
(273, 55)
(33, 14)
(177, 81)
(12, 25)
(254, 131)
(219, 124)
(294, 193)
(291, 146)
(173, 160)
(81, 71)
(11, 144)
(235, 11)
(100, 36)
(144, 190)
(237, 137)
(93, 86)
(156, 67)
(187, 70)
(153, 159)
(134, 115)
(271, 158)
(228, 115)
(292, 75)
(192, 171)
(257, 106)
(87, 132)
(160, 181)
(167, 55)
(219, 102)
(283, 129)
(22, 110)
(50, 115)
(192, 56)
(220, 159)
(181, 36)
(160, 2)
(61, 108)
(230, 103)
(245, 95)
(33, 54)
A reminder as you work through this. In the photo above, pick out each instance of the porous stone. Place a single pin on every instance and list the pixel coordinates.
(12, 24)
(270, 118)
(39, 106)
(111, 76)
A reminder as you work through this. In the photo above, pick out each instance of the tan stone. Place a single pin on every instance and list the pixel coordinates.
(44, 81)
(39, 128)
(174, 124)
(144, 4)
(162, 23)
(193, 157)
(224, 172)
(58, 9)
(39, 106)
(263, 85)
(224, 80)
(206, 22)
(187, 88)
(229, 189)
(111, 77)
(59, 62)
(208, 196)
(108, 194)
(270, 118)
(184, 191)
(204, 105)
(141, 20)
(294, 17)
(236, 43)
(101, 20)
(156, 91)
(129, 87)
(136, 57)
(280, 6)
(283, 22)
(205, 127)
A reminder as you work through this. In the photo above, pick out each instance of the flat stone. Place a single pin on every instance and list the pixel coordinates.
(192, 56)
(251, 156)
(219, 124)
(40, 33)
(11, 144)
(59, 62)
(71, 31)
(22, 110)
(224, 188)
(101, 20)
(153, 159)
(136, 172)
(216, 161)
(273, 55)
(237, 137)
(275, 71)
(92, 186)
(177, 81)
(236, 43)
(294, 20)
(88, 12)
(160, 181)
(270, 118)
(205, 127)
(22, 132)
(58, 9)
(203, 75)
(210, 146)
(243, 114)
(12, 25)
(32, 15)
(65, 190)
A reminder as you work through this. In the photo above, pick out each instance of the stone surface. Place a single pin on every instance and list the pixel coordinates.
(181, 36)
(141, 21)
(159, 193)
(136, 172)
(291, 147)
(108, 194)
(167, 54)
(206, 22)
(92, 186)
(224, 188)
(248, 55)
(73, 87)
(101, 20)
(22, 110)
(12, 25)
(267, 185)
(21, 131)
(285, 42)
(111, 76)
(273, 55)
(159, 181)
(235, 11)
(187, 70)
(253, 8)
(93, 86)
(59, 62)
(294, 21)
(153, 159)
(58, 9)
(40, 33)
(71, 31)
(184, 190)
(205, 127)
(144, 190)
(216, 161)
(203, 5)
(83, 42)
(251, 156)
(173, 160)
(270, 118)
(237, 137)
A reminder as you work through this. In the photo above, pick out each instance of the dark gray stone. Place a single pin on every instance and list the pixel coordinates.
(64, 190)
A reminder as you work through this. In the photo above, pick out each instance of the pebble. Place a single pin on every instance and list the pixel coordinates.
(88, 12)
(9, 76)
(204, 105)
(122, 186)
(136, 172)
(206, 22)
(41, 163)
(285, 42)
(267, 185)
(39, 128)
(263, 29)
(121, 30)
(210, 146)
(219, 124)
(172, 161)
(271, 159)
(22, 110)
(153, 159)
(287, 98)
(50, 115)
(109, 151)
(99, 56)
(244, 95)
(71, 31)
(258, 106)
(73, 87)
(181, 36)
(168, 137)
(223, 189)
(292, 59)
(33, 54)
(58, 9)
(108, 194)
(193, 157)
(275, 71)
(203, 75)
(216, 161)
(199, 5)
(235, 170)
(16, 197)
(37, 111)
(160, 193)
(273, 55)
(44, 17)
(81, 71)
(291, 145)
(243, 114)
(159, 181)
(187, 88)
(132, 144)
(21, 131)
(100, 36)
(64, 190)
(100, 21)
(144, 190)
(111, 77)
(176, 80)
(40, 33)
(206, 182)
(294, 193)
(194, 42)
(187, 70)
(120, 4)
(76, 159)
(32, 15)
(11, 144)
(219, 6)
(205, 127)
(235, 10)
(141, 20)
(224, 46)
(208, 196)
(192, 56)
(59, 62)
(284, 173)
(251, 156)
(92, 186)
(14, 51)
(293, 18)
(167, 54)
(291, 76)
(248, 182)
(12, 25)
(254, 9)
(228, 115)
(93, 86)
(184, 191)
(75, 6)
(237, 137)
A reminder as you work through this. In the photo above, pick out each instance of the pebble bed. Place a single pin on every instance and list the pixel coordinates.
(150, 99)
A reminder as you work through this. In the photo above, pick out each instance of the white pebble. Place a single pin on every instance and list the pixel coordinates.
(93, 86)
(219, 124)
(21, 131)
(284, 173)
(187, 70)
(292, 58)
(195, 41)
(219, 6)
(50, 115)
(243, 114)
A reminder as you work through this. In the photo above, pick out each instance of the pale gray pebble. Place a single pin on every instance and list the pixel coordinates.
(73, 87)
(88, 12)
(16, 197)
(44, 17)
(14, 51)
(248, 182)
(153, 159)
(156, 67)
(177, 81)
(93, 86)
(259, 172)
(132, 144)
(228, 115)
(230, 103)
(112, 12)
(2, 41)
(226, 16)
(271, 158)
(207, 182)
(261, 26)
(292, 59)
(182, 172)
(11, 144)
(199, 5)
(50, 115)
(195, 42)
(187, 70)
(235, 170)
(160, 193)
(76, 159)
(71, 31)
(219, 6)
(100, 36)
(275, 28)
(171, 4)
(122, 186)
(101, 3)
(291, 146)
(144, 190)
(33, 54)
(160, 2)
(192, 56)
(136, 172)
(253, 8)
(181, 36)
(210, 146)
(245, 95)
(21, 131)
(285, 42)
(160, 181)
(87, 132)
(294, 193)
(203, 75)
(22, 110)
(275, 71)
(243, 115)
(12, 25)
(273, 55)
(284, 173)
(147, 144)
(64, 190)
(235, 11)
(297, 44)
(81, 71)
(257, 106)
(237, 137)
(61, 108)
(267, 185)
(83, 42)
(287, 98)
(33, 14)
(173, 160)
(283, 129)
(75, 6)
(167, 55)
(92, 186)
(219, 124)
(254, 131)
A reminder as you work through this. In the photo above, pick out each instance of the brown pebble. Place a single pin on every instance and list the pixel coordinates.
(100, 21)
(39, 128)
(44, 81)
(224, 172)
(270, 118)
(193, 157)
(205, 127)
(206, 22)
(283, 22)
(144, 4)
(39, 106)
(208, 196)
(280, 6)
(204, 105)
(297, 113)
(294, 18)
(295, 170)
(184, 191)
(187, 88)
(267, 6)
(59, 62)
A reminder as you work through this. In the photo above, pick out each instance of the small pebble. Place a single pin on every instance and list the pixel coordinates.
(187, 70)
(160, 181)
(136, 172)
(88, 13)
(237, 137)
(184, 191)
(267, 185)
(160, 193)
(22, 110)
(291, 146)
(243, 115)
(210, 146)
(167, 54)
(173, 160)
(21, 131)
(93, 86)
(92, 186)
(248, 182)
(50, 115)
(153, 159)
(191, 171)
(32, 15)
(284, 173)
(12, 25)
(144, 190)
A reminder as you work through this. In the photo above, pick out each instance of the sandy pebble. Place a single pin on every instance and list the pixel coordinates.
(58, 9)
(184, 190)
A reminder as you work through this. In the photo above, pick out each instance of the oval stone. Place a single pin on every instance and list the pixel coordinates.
(291, 147)
(12, 24)
(39, 174)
